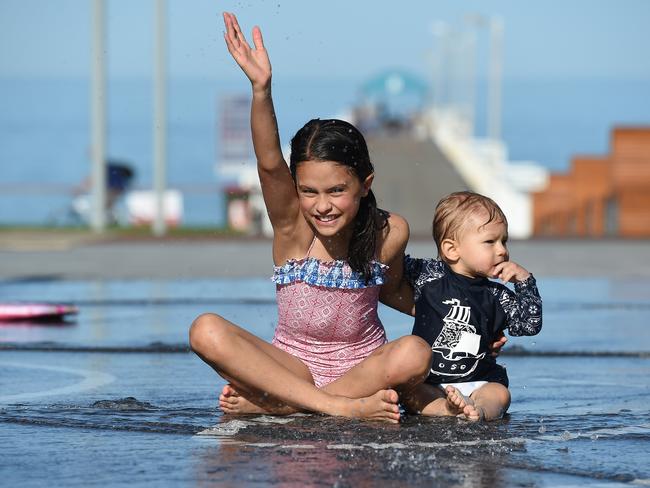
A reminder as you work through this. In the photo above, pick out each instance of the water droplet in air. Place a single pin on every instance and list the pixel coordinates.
(542, 429)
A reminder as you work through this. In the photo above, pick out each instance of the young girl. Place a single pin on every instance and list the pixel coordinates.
(333, 250)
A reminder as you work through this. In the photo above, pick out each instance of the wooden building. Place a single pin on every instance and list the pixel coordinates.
(600, 196)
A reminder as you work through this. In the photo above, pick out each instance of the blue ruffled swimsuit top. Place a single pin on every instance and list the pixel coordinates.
(329, 274)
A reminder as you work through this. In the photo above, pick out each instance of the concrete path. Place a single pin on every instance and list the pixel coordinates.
(79, 257)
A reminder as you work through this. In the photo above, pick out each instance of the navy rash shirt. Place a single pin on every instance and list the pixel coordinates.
(461, 316)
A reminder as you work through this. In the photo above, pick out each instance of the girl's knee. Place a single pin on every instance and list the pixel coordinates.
(412, 355)
(205, 330)
(418, 349)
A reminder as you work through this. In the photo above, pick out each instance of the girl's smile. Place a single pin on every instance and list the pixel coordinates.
(329, 195)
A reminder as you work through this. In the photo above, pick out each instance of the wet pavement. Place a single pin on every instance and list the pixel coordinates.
(77, 425)
(114, 397)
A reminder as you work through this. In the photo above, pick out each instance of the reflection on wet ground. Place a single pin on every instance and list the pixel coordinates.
(115, 398)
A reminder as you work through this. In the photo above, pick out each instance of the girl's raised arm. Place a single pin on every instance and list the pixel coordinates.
(278, 186)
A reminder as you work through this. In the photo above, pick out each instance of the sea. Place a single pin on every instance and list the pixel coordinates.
(45, 131)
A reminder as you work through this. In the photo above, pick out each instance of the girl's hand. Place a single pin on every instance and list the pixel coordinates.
(509, 271)
(254, 62)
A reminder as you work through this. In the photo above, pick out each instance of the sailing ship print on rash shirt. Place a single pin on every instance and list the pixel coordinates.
(456, 349)
(460, 317)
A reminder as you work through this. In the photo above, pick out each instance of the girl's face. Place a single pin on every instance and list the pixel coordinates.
(329, 195)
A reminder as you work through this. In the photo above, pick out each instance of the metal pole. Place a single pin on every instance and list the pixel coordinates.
(160, 120)
(98, 118)
(494, 85)
(440, 31)
(470, 80)
(457, 78)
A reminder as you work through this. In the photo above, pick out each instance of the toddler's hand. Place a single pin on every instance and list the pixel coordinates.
(509, 271)
(497, 345)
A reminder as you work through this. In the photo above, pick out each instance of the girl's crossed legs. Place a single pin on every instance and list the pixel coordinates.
(267, 379)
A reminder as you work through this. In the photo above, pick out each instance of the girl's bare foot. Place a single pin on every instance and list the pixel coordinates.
(380, 406)
(233, 402)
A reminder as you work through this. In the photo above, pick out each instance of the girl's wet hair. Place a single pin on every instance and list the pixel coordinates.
(339, 141)
(455, 209)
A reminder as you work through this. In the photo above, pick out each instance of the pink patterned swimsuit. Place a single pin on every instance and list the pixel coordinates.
(327, 315)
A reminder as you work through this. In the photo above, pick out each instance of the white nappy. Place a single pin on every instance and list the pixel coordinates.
(466, 388)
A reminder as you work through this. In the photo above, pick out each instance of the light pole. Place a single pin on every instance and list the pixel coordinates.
(495, 68)
(159, 227)
(495, 78)
(98, 118)
(440, 32)
(468, 59)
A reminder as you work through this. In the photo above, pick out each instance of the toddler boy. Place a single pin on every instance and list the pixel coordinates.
(460, 311)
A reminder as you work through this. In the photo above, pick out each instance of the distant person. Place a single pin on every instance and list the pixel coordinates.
(119, 177)
(333, 250)
(460, 312)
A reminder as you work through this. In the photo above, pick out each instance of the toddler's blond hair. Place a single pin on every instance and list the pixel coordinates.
(453, 211)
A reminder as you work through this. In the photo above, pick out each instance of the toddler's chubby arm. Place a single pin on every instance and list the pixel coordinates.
(523, 307)
(277, 184)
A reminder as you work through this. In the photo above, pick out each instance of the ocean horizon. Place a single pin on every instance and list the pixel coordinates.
(45, 130)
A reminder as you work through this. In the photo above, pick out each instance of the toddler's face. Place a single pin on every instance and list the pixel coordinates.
(481, 247)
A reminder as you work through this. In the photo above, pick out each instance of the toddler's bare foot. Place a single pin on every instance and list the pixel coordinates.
(234, 403)
(463, 406)
(456, 401)
(380, 406)
(472, 413)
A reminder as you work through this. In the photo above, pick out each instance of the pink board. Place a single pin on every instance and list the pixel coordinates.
(35, 311)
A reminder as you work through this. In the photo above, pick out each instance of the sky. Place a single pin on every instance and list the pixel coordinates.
(338, 38)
